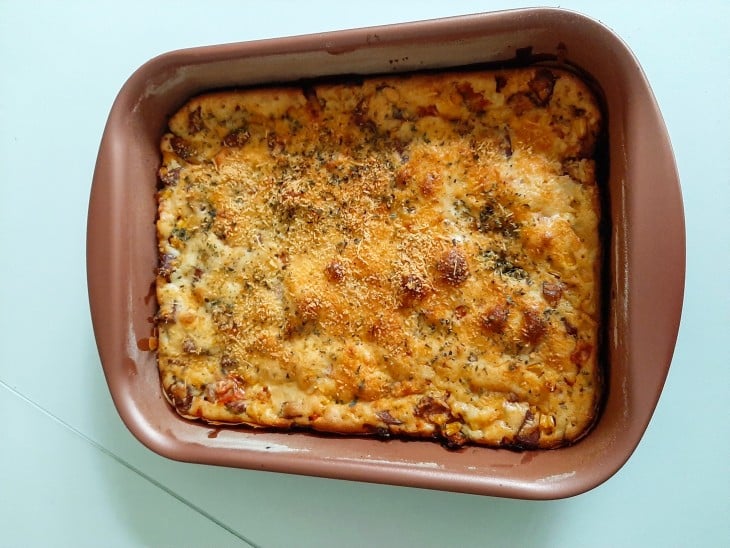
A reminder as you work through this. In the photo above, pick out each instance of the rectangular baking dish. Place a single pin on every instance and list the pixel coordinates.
(645, 257)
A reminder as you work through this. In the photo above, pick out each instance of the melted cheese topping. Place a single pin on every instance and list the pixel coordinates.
(413, 255)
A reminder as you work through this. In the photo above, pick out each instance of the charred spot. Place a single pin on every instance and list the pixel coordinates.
(236, 138)
(570, 329)
(181, 396)
(182, 148)
(195, 121)
(528, 436)
(534, 326)
(335, 271)
(453, 439)
(577, 111)
(541, 86)
(314, 102)
(507, 144)
(387, 418)
(499, 82)
(474, 101)
(552, 292)
(495, 319)
(453, 267)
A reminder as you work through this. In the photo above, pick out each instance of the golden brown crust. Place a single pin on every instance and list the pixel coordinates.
(415, 255)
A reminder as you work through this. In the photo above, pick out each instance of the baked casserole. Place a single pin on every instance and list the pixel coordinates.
(414, 255)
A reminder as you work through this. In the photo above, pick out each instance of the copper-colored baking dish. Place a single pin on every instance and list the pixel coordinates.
(645, 257)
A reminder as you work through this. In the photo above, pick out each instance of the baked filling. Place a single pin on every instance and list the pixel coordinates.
(411, 255)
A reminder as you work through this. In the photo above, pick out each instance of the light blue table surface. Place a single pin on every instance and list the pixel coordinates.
(70, 472)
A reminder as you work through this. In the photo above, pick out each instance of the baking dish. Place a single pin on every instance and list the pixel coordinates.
(645, 257)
